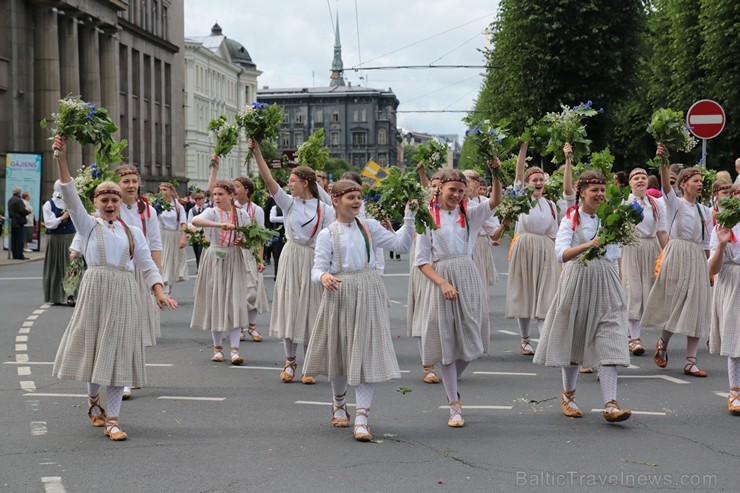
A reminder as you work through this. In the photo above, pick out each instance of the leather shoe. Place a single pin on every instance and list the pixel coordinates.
(662, 363)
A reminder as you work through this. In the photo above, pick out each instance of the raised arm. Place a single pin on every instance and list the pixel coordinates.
(264, 170)
(568, 171)
(495, 198)
(215, 161)
(521, 163)
(422, 174)
(665, 172)
(62, 166)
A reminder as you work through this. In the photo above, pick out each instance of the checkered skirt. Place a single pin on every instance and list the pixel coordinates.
(483, 259)
(724, 338)
(150, 313)
(174, 258)
(415, 309)
(254, 290)
(638, 274)
(533, 277)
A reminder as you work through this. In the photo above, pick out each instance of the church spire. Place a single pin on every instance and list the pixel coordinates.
(337, 67)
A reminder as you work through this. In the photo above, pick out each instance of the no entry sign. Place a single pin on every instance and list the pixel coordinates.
(705, 119)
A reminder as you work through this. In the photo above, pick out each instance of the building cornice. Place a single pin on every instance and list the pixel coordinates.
(162, 43)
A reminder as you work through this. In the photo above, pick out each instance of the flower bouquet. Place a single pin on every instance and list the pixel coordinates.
(617, 221)
(254, 237)
(491, 140)
(85, 123)
(261, 122)
(159, 203)
(72, 276)
(372, 206)
(507, 171)
(536, 134)
(313, 153)
(196, 236)
(433, 155)
(553, 189)
(729, 216)
(667, 127)
(515, 201)
(568, 127)
(87, 180)
(227, 136)
(708, 177)
(391, 195)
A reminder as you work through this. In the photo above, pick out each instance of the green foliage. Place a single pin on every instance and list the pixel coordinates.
(388, 199)
(603, 161)
(433, 154)
(336, 167)
(667, 127)
(515, 201)
(261, 122)
(729, 216)
(313, 153)
(227, 135)
(254, 238)
(568, 127)
(196, 236)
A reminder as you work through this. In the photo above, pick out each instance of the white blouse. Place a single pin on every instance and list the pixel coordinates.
(732, 250)
(453, 234)
(302, 215)
(352, 245)
(115, 239)
(253, 211)
(586, 231)
(132, 217)
(648, 227)
(491, 224)
(195, 211)
(218, 237)
(51, 221)
(685, 222)
(541, 220)
(172, 220)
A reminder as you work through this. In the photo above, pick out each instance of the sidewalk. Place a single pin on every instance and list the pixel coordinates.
(31, 256)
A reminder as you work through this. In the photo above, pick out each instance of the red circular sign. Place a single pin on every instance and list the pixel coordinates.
(705, 119)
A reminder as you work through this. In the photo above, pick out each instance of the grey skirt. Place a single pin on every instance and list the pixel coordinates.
(587, 321)
(483, 259)
(533, 277)
(174, 258)
(55, 262)
(724, 338)
(638, 274)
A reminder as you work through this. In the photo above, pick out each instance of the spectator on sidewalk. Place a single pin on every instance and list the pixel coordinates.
(17, 213)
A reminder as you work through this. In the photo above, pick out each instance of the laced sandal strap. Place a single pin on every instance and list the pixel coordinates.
(362, 411)
(92, 403)
(662, 345)
(340, 397)
(290, 363)
(613, 405)
(569, 396)
(690, 361)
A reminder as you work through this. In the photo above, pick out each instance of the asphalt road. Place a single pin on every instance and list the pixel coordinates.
(206, 427)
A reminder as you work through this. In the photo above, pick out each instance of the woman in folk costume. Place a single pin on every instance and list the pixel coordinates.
(136, 211)
(724, 338)
(296, 299)
(456, 319)
(60, 231)
(103, 343)
(587, 321)
(680, 300)
(720, 189)
(482, 255)
(351, 339)
(533, 268)
(638, 261)
(219, 297)
(172, 227)
(415, 310)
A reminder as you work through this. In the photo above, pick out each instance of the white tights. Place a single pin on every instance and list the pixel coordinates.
(234, 337)
(733, 372)
(290, 350)
(635, 329)
(113, 399)
(252, 317)
(363, 398)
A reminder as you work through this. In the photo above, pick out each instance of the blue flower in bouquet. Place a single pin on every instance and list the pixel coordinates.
(258, 105)
(637, 210)
(94, 171)
(92, 111)
(491, 132)
(601, 110)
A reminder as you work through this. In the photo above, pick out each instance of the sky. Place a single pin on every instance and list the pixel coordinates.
(292, 43)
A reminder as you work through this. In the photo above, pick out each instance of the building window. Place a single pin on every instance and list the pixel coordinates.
(319, 116)
(298, 117)
(357, 161)
(382, 137)
(132, 10)
(284, 141)
(359, 138)
(155, 16)
(165, 24)
(285, 117)
(335, 116)
(144, 15)
(355, 116)
(335, 138)
(364, 115)
(298, 138)
(382, 159)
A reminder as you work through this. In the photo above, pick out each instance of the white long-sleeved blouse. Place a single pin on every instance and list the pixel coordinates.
(303, 215)
(146, 221)
(648, 227)
(687, 221)
(732, 250)
(541, 220)
(174, 219)
(586, 230)
(222, 238)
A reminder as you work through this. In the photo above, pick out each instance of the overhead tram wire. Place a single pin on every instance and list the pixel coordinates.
(359, 50)
(440, 111)
(455, 48)
(420, 67)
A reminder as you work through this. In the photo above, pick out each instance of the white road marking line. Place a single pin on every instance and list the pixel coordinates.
(664, 377)
(163, 365)
(47, 463)
(511, 373)
(45, 305)
(394, 275)
(178, 398)
(28, 385)
(38, 312)
(395, 302)
(21, 338)
(26, 362)
(255, 368)
(27, 324)
(24, 371)
(508, 332)
(495, 408)
(38, 428)
(24, 330)
(21, 358)
(21, 347)
(53, 484)
(722, 394)
(33, 404)
(633, 367)
(54, 395)
(32, 317)
(534, 340)
(643, 413)
(20, 278)
(318, 403)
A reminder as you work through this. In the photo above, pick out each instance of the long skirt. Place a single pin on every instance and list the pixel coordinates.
(219, 290)
(455, 330)
(483, 258)
(254, 291)
(174, 258)
(680, 300)
(587, 321)
(638, 274)
(724, 338)
(151, 329)
(103, 342)
(533, 277)
(415, 310)
(352, 333)
(55, 261)
(296, 299)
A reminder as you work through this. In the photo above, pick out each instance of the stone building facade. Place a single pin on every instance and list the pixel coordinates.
(220, 79)
(124, 55)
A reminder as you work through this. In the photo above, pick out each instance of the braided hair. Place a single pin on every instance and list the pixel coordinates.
(587, 178)
(309, 175)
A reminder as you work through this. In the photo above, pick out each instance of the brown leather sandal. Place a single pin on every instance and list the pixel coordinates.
(111, 424)
(456, 412)
(660, 345)
(615, 415)
(235, 358)
(567, 398)
(430, 376)
(305, 380)
(734, 395)
(525, 347)
(218, 354)
(256, 337)
(285, 376)
(635, 346)
(97, 420)
(361, 436)
(339, 422)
